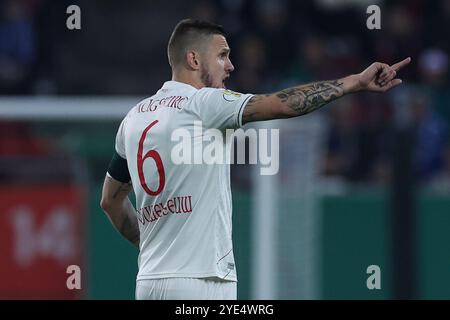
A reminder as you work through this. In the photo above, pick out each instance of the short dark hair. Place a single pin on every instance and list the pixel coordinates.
(189, 33)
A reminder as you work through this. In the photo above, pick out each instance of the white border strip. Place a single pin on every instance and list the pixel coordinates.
(68, 107)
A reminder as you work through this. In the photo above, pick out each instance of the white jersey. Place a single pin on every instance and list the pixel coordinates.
(184, 210)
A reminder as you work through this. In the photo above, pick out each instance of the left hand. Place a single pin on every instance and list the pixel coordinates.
(380, 77)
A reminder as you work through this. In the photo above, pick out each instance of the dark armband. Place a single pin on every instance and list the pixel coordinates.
(118, 168)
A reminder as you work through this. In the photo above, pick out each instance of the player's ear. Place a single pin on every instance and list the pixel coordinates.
(193, 60)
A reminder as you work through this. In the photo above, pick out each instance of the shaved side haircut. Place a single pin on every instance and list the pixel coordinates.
(190, 35)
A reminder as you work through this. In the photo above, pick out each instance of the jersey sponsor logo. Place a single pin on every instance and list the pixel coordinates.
(231, 96)
(175, 205)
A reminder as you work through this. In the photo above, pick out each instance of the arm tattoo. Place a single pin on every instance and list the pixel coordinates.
(310, 97)
(298, 101)
(124, 187)
(130, 229)
(251, 114)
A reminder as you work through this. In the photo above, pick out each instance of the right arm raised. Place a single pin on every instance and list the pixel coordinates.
(303, 99)
(292, 102)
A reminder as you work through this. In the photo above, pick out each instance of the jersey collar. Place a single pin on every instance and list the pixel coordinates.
(171, 84)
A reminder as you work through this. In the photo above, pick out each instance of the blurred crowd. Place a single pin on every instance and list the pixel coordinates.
(274, 44)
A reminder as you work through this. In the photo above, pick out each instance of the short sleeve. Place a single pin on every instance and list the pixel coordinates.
(120, 140)
(220, 108)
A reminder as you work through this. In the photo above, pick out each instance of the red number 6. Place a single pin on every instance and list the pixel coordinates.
(156, 157)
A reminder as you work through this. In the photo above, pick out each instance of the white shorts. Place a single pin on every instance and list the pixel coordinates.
(186, 289)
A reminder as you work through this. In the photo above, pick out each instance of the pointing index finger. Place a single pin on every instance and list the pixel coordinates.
(401, 64)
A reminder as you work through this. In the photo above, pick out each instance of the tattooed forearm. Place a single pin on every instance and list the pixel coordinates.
(119, 209)
(307, 98)
(295, 101)
(130, 229)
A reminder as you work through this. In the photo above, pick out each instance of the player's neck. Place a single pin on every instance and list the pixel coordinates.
(188, 78)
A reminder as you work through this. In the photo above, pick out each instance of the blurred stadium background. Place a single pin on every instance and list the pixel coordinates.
(365, 181)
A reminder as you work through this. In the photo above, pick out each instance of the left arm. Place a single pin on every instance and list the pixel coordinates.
(117, 206)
